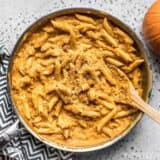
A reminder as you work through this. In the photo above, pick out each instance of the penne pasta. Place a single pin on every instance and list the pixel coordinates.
(66, 80)
(113, 125)
(109, 39)
(52, 103)
(122, 34)
(136, 79)
(114, 62)
(82, 110)
(48, 70)
(57, 70)
(61, 39)
(92, 94)
(104, 96)
(64, 27)
(46, 46)
(108, 105)
(49, 29)
(107, 27)
(123, 55)
(37, 39)
(58, 108)
(125, 113)
(133, 65)
(107, 75)
(85, 27)
(66, 133)
(48, 131)
(108, 132)
(83, 123)
(84, 18)
(102, 122)
(27, 111)
(107, 53)
(61, 26)
(92, 35)
(37, 119)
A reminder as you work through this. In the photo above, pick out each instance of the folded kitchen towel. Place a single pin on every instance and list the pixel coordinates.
(24, 146)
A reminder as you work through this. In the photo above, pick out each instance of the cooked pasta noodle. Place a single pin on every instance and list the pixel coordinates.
(63, 84)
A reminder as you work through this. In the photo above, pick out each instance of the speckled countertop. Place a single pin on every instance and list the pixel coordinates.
(143, 143)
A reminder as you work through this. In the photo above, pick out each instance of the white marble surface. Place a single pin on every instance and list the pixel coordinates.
(143, 143)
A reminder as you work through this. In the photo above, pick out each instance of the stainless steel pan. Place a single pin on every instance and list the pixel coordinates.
(8, 134)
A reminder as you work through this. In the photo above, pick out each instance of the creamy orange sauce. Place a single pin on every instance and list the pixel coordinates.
(62, 83)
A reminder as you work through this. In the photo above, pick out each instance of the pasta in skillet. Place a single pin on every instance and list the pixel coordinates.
(62, 83)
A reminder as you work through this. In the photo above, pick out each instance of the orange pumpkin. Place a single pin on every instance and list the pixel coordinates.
(151, 27)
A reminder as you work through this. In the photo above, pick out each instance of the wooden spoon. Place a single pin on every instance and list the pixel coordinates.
(125, 93)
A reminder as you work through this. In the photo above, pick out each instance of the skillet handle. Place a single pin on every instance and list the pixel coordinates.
(7, 134)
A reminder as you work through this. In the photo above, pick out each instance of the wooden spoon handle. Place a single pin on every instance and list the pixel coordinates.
(146, 108)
